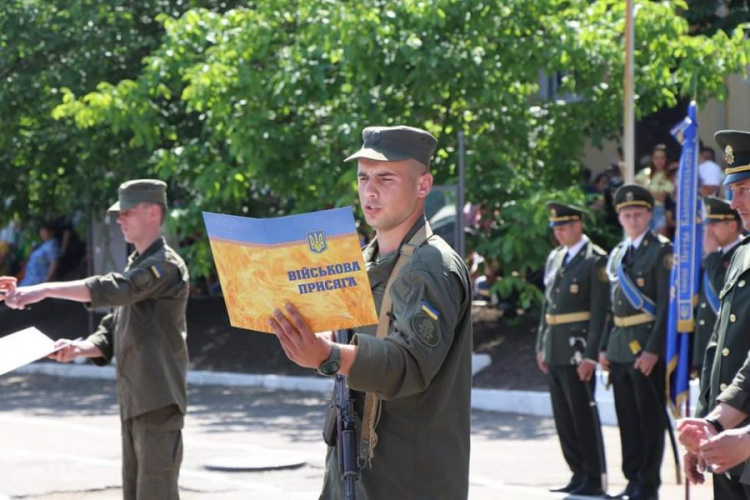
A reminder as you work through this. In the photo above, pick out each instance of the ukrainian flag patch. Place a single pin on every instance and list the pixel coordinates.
(155, 271)
(430, 311)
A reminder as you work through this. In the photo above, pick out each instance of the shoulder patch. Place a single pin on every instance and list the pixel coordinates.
(156, 271)
(142, 278)
(603, 274)
(426, 325)
(669, 261)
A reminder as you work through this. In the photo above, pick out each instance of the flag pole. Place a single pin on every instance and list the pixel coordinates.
(628, 148)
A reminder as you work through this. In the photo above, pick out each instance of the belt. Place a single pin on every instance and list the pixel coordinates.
(635, 319)
(562, 319)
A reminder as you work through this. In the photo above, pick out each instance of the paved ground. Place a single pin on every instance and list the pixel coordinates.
(59, 440)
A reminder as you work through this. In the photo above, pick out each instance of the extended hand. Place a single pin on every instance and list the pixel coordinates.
(646, 362)
(300, 344)
(7, 286)
(692, 432)
(727, 449)
(26, 295)
(68, 351)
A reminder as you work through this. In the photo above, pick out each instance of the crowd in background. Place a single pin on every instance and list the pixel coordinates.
(49, 250)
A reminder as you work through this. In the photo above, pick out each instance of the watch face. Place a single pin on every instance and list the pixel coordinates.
(330, 367)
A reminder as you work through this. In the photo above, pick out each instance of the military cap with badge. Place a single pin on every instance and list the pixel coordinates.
(736, 146)
(396, 144)
(560, 213)
(718, 210)
(131, 193)
(633, 195)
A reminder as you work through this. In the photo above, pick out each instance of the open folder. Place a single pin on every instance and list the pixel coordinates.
(312, 260)
(24, 347)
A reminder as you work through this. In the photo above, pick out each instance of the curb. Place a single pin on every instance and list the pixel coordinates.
(535, 403)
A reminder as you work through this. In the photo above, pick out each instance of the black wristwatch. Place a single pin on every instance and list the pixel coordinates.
(715, 424)
(331, 366)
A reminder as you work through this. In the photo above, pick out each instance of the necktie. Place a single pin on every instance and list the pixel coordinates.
(629, 256)
(566, 258)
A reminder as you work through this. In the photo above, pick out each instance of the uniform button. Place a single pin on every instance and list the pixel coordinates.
(554, 306)
(703, 305)
(741, 283)
(725, 352)
(701, 322)
(723, 387)
(732, 318)
(557, 290)
(619, 302)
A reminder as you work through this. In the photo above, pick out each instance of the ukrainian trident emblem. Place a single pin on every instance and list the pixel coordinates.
(317, 241)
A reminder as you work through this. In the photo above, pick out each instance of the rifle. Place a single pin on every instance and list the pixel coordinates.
(346, 427)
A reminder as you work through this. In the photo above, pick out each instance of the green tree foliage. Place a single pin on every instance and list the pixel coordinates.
(252, 110)
(49, 167)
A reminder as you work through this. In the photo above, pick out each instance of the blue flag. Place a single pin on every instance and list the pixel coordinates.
(685, 279)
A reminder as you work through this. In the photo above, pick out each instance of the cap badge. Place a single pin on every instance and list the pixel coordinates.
(553, 212)
(629, 196)
(729, 154)
(375, 137)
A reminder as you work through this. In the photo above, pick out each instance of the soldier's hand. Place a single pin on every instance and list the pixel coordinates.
(694, 468)
(67, 351)
(586, 370)
(7, 286)
(646, 362)
(725, 450)
(692, 432)
(300, 344)
(25, 296)
(540, 362)
(604, 361)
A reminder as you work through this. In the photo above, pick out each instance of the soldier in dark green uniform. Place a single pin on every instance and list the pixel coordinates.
(730, 343)
(416, 366)
(570, 328)
(724, 226)
(147, 333)
(633, 350)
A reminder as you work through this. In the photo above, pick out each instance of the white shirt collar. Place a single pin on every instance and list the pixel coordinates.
(636, 242)
(731, 245)
(573, 251)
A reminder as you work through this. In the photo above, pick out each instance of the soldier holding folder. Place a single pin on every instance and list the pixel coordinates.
(411, 375)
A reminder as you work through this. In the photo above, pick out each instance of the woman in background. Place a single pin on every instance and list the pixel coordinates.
(656, 179)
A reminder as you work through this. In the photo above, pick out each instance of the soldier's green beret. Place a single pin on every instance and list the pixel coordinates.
(633, 195)
(138, 191)
(736, 146)
(396, 144)
(560, 214)
(718, 210)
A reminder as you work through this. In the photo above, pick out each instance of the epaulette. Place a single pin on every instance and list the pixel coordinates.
(598, 250)
(663, 239)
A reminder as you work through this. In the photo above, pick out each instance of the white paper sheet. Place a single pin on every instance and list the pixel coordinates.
(23, 347)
